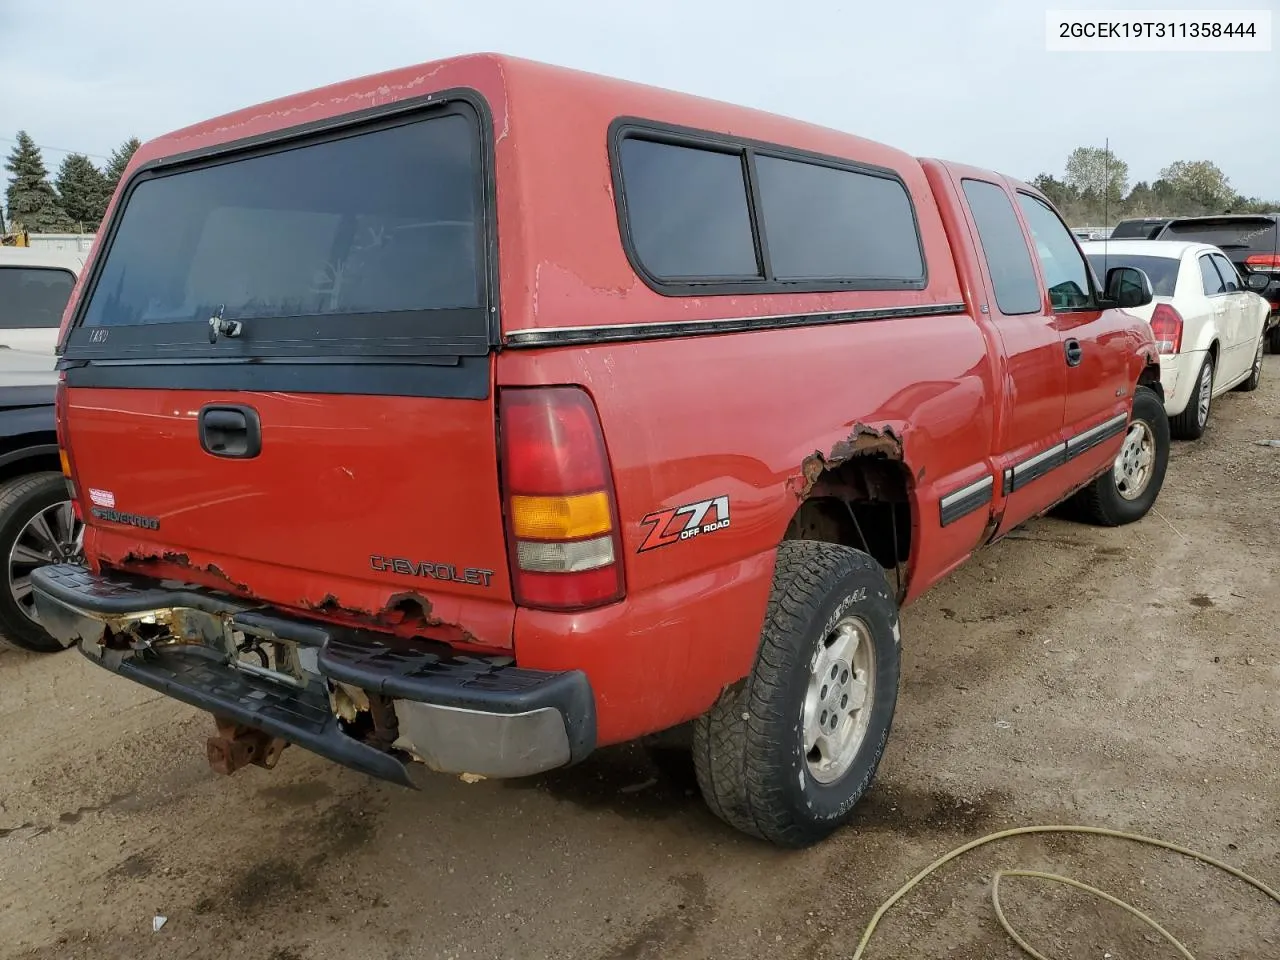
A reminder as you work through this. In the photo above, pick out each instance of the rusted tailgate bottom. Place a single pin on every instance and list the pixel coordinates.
(456, 714)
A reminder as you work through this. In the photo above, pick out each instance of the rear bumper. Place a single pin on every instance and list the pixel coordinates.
(454, 714)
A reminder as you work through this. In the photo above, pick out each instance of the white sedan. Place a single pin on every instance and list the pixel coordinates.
(1207, 322)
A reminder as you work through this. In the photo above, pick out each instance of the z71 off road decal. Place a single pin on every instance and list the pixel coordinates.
(684, 523)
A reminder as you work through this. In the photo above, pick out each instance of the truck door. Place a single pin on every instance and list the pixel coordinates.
(1029, 440)
(1096, 347)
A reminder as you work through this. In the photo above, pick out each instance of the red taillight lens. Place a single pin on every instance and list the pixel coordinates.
(1263, 262)
(1166, 324)
(562, 530)
(64, 449)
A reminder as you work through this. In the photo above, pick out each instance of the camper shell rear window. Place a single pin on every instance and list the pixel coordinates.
(368, 238)
(704, 213)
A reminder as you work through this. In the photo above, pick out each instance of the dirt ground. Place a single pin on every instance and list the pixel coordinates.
(1124, 678)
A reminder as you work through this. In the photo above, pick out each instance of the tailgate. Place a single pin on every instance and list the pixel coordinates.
(391, 490)
(278, 377)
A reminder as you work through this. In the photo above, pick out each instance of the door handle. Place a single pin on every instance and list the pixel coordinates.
(234, 432)
(1075, 353)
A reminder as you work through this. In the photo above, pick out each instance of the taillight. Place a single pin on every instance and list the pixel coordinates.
(563, 541)
(64, 448)
(1263, 263)
(1166, 324)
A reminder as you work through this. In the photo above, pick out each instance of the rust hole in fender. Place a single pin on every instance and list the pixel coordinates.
(864, 441)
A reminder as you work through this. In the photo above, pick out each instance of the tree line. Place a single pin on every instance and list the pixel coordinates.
(74, 201)
(1094, 190)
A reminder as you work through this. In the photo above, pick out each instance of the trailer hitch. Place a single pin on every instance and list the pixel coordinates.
(237, 746)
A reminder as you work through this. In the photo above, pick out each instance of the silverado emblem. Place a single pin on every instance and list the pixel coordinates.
(128, 519)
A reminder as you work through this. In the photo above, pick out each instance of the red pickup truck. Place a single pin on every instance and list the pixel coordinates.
(476, 415)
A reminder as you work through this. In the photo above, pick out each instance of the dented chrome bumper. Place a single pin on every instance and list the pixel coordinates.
(448, 713)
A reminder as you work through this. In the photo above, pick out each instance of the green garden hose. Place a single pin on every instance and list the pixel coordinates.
(1055, 878)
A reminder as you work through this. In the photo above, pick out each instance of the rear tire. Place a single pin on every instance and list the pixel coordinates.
(22, 501)
(1124, 493)
(1190, 423)
(831, 609)
(1255, 374)
(1273, 339)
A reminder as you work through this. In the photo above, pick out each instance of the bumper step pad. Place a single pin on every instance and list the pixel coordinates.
(398, 669)
(199, 677)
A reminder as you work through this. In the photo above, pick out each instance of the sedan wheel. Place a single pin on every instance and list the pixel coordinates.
(1204, 394)
(38, 526)
(53, 535)
(1250, 383)
(1190, 423)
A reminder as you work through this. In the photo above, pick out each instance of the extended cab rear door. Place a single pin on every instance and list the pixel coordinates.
(1028, 436)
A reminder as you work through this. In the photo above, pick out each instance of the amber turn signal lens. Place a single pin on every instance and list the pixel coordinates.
(560, 518)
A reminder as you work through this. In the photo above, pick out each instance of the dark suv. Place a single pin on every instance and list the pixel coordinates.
(1138, 228)
(1250, 240)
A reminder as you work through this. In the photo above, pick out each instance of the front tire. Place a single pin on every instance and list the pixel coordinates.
(786, 753)
(1128, 490)
(1190, 423)
(37, 527)
(1255, 372)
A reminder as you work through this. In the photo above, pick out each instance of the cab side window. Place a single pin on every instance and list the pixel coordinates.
(1213, 285)
(1066, 272)
(1013, 277)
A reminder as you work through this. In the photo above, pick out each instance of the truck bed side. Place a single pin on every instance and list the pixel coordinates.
(754, 418)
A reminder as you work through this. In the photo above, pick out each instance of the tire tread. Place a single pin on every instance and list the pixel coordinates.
(1097, 502)
(1251, 382)
(12, 492)
(1186, 425)
(732, 744)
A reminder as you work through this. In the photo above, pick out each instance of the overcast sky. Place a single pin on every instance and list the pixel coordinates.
(934, 77)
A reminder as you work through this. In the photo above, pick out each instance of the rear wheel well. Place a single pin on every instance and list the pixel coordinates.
(28, 453)
(864, 503)
(1150, 378)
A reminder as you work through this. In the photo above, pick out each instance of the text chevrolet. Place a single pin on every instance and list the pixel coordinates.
(473, 416)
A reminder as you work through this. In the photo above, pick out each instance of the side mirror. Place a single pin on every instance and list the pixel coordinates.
(1128, 287)
(1257, 282)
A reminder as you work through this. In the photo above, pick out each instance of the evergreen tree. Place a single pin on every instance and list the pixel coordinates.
(82, 189)
(120, 158)
(30, 197)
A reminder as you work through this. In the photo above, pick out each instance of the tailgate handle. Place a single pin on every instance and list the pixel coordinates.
(231, 431)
